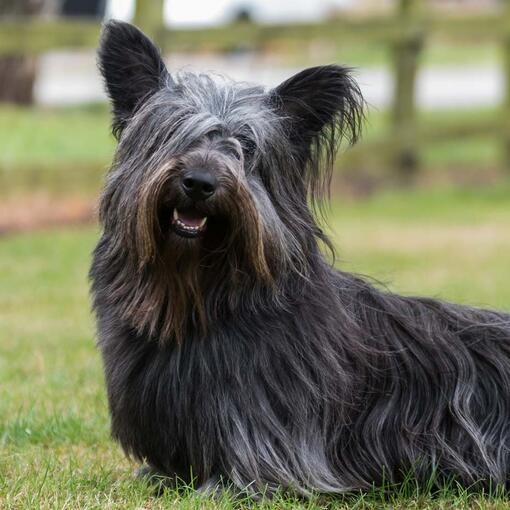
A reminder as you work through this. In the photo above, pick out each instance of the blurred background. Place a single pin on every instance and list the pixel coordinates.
(434, 74)
(422, 203)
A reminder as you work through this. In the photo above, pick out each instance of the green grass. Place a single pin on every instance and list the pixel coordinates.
(55, 450)
(436, 52)
(58, 150)
(68, 150)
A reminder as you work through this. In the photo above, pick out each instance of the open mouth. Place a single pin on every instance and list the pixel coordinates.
(188, 223)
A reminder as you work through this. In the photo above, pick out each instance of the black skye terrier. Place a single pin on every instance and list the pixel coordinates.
(233, 351)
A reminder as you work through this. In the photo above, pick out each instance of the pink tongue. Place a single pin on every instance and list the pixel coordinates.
(190, 219)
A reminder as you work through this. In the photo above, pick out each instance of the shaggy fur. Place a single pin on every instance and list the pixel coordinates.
(241, 354)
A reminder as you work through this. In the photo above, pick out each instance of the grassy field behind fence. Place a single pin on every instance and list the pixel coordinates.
(68, 150)
(55, 450)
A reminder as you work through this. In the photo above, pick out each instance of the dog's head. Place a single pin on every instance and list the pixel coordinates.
(212, 179)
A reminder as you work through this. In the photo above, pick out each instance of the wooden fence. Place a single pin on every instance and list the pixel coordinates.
(406, 33)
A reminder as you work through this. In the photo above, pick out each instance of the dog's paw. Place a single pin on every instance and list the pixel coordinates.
(156, 479)
(214, 487)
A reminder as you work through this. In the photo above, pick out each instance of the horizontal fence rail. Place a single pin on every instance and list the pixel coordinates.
(37, 36)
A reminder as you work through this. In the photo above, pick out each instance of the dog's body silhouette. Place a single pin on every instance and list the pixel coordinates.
(233, 351)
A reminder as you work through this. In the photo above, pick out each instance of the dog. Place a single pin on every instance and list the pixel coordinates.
(234, 353)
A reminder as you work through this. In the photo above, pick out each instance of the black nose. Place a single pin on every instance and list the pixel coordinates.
(198, 184)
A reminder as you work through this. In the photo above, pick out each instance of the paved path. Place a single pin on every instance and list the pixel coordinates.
(70, 78)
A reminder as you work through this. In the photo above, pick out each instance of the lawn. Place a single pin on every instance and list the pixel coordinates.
(67, 150)
(55, 450)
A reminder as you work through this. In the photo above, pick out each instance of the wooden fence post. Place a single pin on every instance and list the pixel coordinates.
(406, 54)
(149, 18)
(17, 71)
(505, 113)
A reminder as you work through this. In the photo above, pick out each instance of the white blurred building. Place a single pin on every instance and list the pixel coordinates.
(200, 13)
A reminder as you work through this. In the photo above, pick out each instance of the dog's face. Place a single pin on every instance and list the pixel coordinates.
(214, 175)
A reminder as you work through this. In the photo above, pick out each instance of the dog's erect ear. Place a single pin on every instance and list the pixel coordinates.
(320, 97)
(321, 106)
(132, 68)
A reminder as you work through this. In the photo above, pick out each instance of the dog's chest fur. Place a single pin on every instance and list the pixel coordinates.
(249, 394)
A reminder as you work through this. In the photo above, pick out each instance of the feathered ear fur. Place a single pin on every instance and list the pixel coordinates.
(323, 105)
(132, 68)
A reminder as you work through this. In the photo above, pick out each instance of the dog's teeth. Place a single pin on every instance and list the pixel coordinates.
(192, 229)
